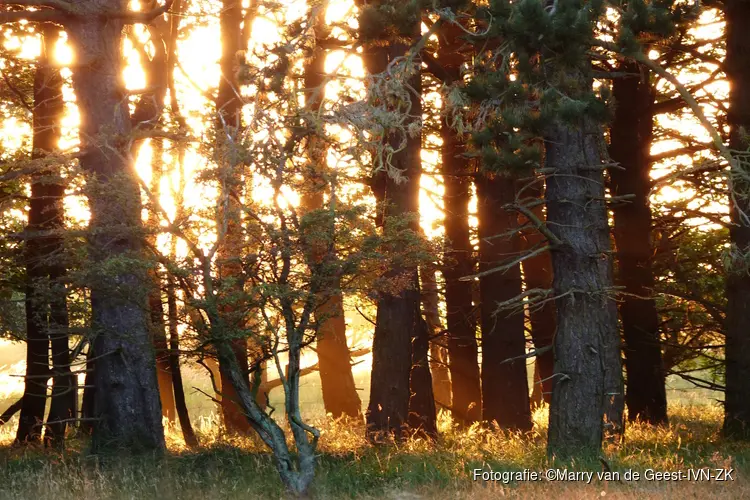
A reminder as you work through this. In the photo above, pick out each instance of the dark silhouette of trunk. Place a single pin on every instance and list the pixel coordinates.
(46, 312)
(174, 364)
(737, 405)
(229, 108)
(460, 322)
(441, 382)
(398, 319)
(587, 351)
(422, 413)
(64, 401)
(537, 273)
(630, 143)
(505, 387)
(126, 402)
(340, 396)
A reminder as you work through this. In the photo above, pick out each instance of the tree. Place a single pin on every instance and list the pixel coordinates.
(630, 141)
(462, 339)
(737, 405)
(126, 403)
(395, 184)
(340, 396)
(505, 389)
(46, 309)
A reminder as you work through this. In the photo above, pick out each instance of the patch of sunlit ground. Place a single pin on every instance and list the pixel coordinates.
(350, 467)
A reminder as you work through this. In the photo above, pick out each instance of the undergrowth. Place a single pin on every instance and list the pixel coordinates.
(349, 467)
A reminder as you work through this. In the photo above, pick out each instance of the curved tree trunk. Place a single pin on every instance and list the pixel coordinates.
(441, 382)
(505, 387)
(630, 144)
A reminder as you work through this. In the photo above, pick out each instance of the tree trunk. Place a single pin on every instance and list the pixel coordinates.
(630, 144)
(398, 320)
(462, 338)
(505, 387)
(126, 402)
(422, 412)
(174, 364)
(229, 111)
(537, 273)
(340, 396)
(737, 405)
(46, 316)
(587, 356)
(441, 382)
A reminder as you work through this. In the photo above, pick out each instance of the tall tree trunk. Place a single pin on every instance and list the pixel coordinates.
(126, 402)
(155, 302)
(441, 382)
(398, 321)
(587, 356)
(340, 396)
(46, 315)
(462, 338)
(229, 110)
(505, 387)
(630, 144)
(537, 273)
(737, 405)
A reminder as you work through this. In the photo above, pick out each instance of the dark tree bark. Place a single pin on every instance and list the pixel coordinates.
(587, 350)
(630, 143)
(505, 387)
(422, 411)
(537, 273)
(340, 396)
(462, 338)
(126, 402)
(398, 320)
(46, 311)
(229, 111)
(737, 405)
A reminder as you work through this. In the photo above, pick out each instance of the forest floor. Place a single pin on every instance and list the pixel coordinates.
(351, 468)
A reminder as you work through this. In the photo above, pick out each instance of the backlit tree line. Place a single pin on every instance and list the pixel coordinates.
(563, 123)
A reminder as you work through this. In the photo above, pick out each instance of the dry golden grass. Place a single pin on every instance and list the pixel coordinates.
(349, 467)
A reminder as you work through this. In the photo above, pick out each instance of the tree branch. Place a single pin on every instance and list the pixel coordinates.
(133, 17)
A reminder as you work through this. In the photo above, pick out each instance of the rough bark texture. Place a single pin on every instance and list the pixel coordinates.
(737, 405)
(460, 321)
(229, 107)
(505, 388)
(398, 319)
(46, 310)
(630, 143)
(126, 402)
(537, 273)
(340, 396)
(587, 356)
